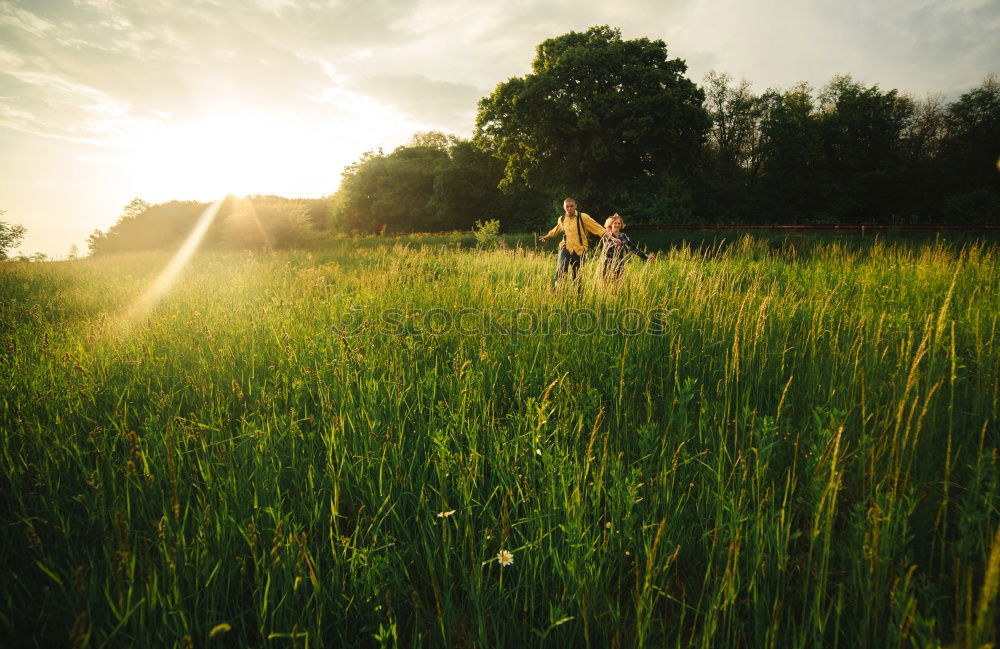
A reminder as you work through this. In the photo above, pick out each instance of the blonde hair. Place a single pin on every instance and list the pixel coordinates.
(616, 215)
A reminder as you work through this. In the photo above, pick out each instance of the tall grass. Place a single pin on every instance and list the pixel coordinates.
(295, 449)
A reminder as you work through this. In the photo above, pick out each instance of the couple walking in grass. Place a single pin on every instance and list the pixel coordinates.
(575, 225)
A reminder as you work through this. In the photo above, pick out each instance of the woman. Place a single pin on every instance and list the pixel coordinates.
(614, 245)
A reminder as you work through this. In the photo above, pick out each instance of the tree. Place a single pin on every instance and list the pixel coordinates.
(604, 119)
(465, 188)
(437, 182)
(266, 222)
(861, 130)
(736, 115)
(435, 140)
(839, 157)
(142, 226)
(920, 145)
(926, 128)
(790, 176)
(135, 208)
(734, 150)
(394, 190)
(97, 242)
(969, 155)
(11, 234)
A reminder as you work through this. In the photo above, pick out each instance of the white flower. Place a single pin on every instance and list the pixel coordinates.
(505, 557)
(445, 514)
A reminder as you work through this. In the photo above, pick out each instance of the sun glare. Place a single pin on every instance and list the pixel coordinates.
(203, 159)
(240, 149)
(169, 274)
(231, 152)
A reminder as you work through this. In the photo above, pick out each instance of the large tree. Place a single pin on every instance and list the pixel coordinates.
(607, 120)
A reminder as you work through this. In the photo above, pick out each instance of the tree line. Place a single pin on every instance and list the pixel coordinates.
(617, 124)
(250, 222)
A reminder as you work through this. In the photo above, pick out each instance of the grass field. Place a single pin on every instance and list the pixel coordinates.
(740, 446)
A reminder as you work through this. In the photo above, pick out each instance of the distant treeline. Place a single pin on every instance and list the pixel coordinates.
(617, 124)
(251, 222)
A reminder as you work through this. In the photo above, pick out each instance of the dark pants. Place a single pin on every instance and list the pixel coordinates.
(568, 261)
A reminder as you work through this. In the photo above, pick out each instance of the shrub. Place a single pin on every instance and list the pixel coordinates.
(487, 233)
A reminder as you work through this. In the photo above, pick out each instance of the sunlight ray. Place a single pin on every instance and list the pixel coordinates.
(169, 274)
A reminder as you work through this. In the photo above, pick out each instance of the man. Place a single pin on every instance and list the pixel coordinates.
(574, 225)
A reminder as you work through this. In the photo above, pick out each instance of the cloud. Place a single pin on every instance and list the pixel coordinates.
(98, 69)
(38, 102)
(15, 18)
(185, 58)
(919, 46)
(156, 58)
(439, 103)
(433, 59)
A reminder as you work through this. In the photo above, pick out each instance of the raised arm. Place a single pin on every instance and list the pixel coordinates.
(554, 231)
(631, 248)
(592, 226)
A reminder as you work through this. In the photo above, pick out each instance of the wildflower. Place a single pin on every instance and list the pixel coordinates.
(445, 514)
(505, 557)
(538, 451)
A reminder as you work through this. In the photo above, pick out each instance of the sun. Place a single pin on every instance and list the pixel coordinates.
(215, 148)
(236, 151)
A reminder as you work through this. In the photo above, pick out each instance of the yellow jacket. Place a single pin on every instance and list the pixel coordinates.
(575, 228)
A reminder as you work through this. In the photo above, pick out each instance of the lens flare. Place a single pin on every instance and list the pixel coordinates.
(169, 274)
(245, 226)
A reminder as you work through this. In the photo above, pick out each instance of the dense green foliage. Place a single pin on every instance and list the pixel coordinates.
(435, 183)
(851, 154)
(615, 123)
(802, 452)
(605, 120)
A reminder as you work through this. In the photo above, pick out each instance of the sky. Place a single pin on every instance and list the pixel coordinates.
(102, 101)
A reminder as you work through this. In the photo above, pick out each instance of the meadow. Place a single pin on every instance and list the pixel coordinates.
(742, 445)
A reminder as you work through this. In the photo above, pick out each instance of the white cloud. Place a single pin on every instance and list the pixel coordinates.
(22, 20)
